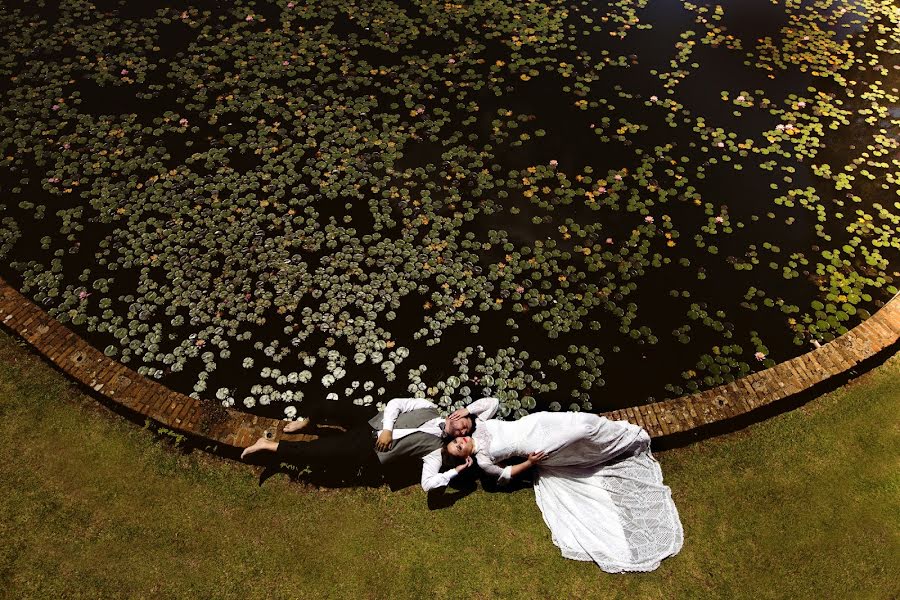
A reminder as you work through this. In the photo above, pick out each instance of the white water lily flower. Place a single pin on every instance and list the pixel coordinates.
(290, 412)
(249, 401)
(332, 396)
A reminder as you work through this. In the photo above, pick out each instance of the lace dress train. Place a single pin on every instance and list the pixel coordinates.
(600, 491)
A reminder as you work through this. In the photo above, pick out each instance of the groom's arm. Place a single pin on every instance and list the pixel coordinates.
(395, 407)
(392, 410)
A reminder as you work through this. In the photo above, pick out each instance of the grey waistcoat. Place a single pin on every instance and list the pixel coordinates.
(414, 445)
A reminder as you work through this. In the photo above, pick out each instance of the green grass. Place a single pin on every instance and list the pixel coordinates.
(804, 505)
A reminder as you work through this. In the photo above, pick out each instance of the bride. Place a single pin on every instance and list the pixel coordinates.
(597, 485)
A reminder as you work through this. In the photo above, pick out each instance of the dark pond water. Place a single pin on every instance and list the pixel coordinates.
(570, 205)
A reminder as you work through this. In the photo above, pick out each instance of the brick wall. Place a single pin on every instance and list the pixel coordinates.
(209, 420)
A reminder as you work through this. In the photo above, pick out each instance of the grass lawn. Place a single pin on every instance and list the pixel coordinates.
(804, 505)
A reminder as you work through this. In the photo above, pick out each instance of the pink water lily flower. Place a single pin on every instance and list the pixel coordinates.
(617, 177)
(183, 122)
(451, 60)
(554, 163)
(290, 5)
(721, 144)
(609, 240)
(601, 190)
(520, 289)
(654, 98)
(55, 107)
(759, 356)
(801, 104)
(248, 18)
(123, 72)
(719, 219)
(739, 99)
(82, 295)
(648, 219)
(285, 63)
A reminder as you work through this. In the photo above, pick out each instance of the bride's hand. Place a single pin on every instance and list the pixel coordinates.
(465, 465)
(536, 457)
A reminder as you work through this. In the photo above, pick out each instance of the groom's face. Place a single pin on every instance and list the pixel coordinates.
(458, 427)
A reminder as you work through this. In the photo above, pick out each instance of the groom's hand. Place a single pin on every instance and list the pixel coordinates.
(385, 441)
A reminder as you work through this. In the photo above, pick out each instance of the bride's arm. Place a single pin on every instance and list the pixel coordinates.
(484, 408)
(505, 474)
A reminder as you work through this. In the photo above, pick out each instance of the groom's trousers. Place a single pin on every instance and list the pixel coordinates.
(350, 454)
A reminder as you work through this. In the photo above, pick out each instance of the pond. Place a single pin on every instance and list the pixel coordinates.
(567, 205)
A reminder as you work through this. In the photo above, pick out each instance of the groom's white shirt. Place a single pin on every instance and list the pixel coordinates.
(432, 478)
(395, 407)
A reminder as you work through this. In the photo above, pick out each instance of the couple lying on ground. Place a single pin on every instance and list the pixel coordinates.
(598, 487)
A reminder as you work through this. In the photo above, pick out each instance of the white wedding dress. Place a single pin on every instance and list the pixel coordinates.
(600, 490)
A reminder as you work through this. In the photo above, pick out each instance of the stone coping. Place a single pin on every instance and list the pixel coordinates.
(210, 421)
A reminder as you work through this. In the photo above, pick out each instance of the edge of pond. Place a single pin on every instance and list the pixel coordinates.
(213, 424)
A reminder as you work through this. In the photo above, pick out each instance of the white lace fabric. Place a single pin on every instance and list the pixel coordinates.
(600, 490)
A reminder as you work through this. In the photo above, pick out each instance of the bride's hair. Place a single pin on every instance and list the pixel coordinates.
(450, 461)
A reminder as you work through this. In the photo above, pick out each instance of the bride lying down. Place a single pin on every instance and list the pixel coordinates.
(598, 487)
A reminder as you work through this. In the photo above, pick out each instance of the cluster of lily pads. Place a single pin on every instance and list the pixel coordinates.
(567, 205)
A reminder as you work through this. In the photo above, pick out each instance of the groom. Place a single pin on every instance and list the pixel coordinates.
(409, 428)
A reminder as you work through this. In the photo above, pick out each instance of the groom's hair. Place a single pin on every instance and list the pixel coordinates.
(472, 420)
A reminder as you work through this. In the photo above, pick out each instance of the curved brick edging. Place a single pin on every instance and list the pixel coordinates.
(124, 386)
(208, 420)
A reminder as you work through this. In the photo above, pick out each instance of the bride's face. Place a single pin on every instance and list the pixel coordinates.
(461, 447)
